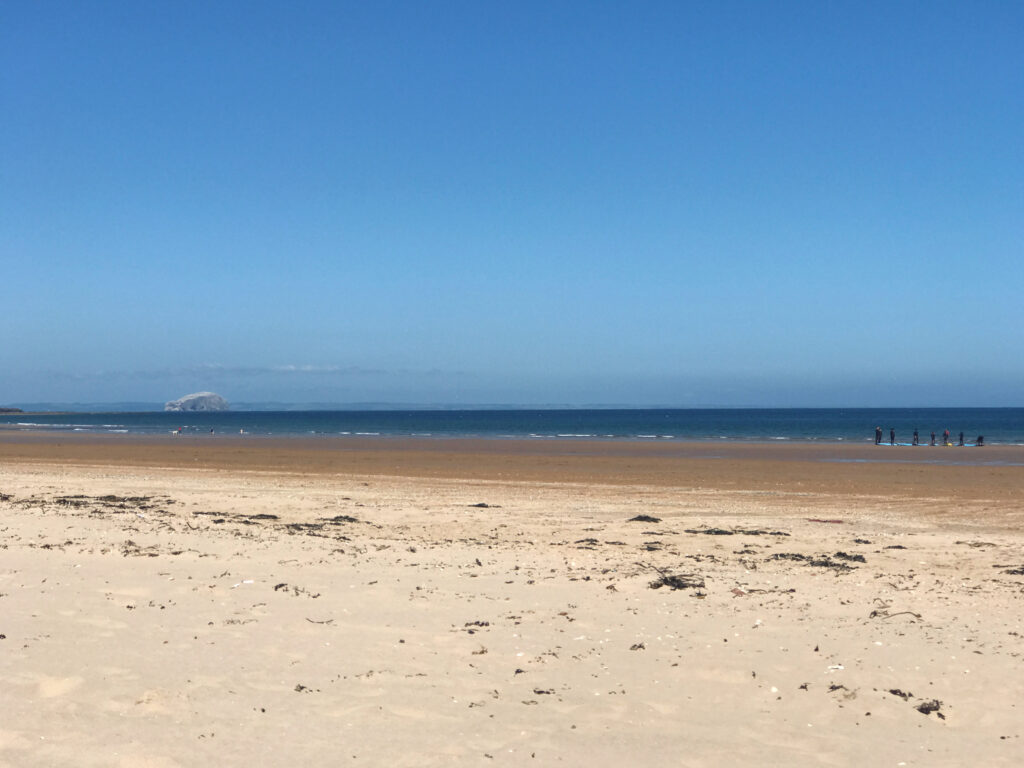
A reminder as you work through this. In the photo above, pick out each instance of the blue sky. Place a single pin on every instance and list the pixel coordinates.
(731, 203)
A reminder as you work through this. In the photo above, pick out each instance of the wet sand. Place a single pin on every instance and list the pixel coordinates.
(191, 601)
(990, 473)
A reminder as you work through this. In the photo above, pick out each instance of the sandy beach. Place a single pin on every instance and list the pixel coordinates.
(189, 601)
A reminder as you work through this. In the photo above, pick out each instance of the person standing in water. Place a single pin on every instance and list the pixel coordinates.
(945, 437)
(916, 440)
(933, 439)
(892, 436)
(878, 435)
(961, 439)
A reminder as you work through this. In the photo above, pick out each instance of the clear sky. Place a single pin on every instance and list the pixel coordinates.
(678, 203)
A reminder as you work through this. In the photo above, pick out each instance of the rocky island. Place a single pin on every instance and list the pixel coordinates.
(198, 401)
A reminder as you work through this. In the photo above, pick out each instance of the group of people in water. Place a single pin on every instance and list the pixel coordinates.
(917, 440)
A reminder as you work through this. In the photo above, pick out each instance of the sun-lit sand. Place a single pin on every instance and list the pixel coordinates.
(223, 601)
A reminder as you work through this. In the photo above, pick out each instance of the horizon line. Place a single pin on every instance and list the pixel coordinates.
(142, 406)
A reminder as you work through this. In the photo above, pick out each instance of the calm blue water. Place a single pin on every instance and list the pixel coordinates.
(998, 425)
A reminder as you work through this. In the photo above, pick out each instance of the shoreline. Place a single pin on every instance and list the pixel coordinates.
(992, 474)
(799, 448)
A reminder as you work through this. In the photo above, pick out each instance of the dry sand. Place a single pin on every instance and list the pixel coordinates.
(182, 602)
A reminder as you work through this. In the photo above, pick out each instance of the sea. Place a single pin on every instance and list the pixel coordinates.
(851, 425)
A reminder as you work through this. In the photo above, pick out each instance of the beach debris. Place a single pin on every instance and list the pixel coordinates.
(98, 504)
(861, 541)
(711, 531)
(469, 626)
(131, 549)
(485, 505)
(901, 694)
(735, 531)
(927, 707)
(898, 588)
(112, 499)
(644, 519)
(882, 611)
(677, 581)
(822, 561)
(825, 562)
(339, 519)
(296, 590)
(310, 529)
(317, 528)
(638, 647)
(819, 520)
(1012, 570)
(314, 621)
(72, 501)
(894, 546)
(977, 544)
(850, 558)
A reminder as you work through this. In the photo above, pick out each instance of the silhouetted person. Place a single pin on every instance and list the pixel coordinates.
(981, 440)
(933, 439)
(961, 439)
(945, 437)
(878, 435)
(892, 437)
(916, 441)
